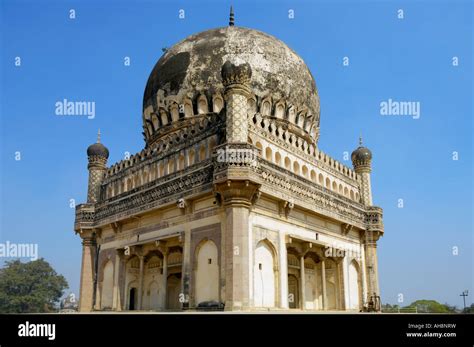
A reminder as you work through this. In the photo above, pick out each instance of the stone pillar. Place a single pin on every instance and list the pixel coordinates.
(116, 302)
(87, 273)
(237, 198)
(340, 284)
(371, 264)
(323, 283)
(237, 194)
(140, 282)
(185, 282)
(283, 273)
(165, 278)
(303, 284)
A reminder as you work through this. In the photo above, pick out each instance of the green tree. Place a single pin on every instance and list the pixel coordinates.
(30, 287)
(430, 306)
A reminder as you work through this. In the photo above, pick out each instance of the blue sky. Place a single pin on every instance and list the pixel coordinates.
(409, 59)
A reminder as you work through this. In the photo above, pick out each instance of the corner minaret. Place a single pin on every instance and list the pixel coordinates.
(362, 162)
(97, 155)
(236, 188)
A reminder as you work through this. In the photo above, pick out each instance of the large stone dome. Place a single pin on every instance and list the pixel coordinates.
(193, 67)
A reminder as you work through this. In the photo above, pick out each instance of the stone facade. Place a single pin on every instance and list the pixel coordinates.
(276, 224)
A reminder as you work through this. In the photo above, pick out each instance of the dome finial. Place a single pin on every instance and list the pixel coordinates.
(98, 136)
(360, 139)
(231, 16)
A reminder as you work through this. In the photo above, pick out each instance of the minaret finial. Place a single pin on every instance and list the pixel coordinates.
(360, 139)
(98, 136)
(231, 17)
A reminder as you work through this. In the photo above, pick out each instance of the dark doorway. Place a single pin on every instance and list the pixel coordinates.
(131, 304)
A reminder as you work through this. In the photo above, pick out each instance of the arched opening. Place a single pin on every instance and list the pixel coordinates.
(264, 276)
(259, 146)
(279, 111)
(293, 298)
(268, 154)
(321, 179)
(202, 105)
(310, 284)
(266, 107)
(278, 158)
(191, 157)
(173, 290)
(171, 164)
(181, 164)
(207, 273)
(328, 183)
(296, 168)
(202, 153)
(287, 163)
(340, 188)
(305, 171)
(131, 281)
(352, 194)
(161, 170)
(136, 180)
(107, 286)
(331, 285)
(152, 282)
(133, 298)
(293, 281)
(313, 176)
(346, 192)
(355, 288)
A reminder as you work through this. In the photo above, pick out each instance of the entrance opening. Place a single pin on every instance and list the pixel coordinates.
(132, 299)
(173, 291)
(293, 299)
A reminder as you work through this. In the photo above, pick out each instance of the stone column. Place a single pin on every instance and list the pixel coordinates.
(303, 283)
(116, 302)
(283, 273)
(140, 282)
(340, 284)
(186, 268)
(165, 278)
(371, 263)
(237, 198)
(237, 191)
(87, 273)
(323, 283)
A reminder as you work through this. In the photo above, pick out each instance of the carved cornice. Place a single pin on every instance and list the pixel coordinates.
(197, 179)
(233, 182)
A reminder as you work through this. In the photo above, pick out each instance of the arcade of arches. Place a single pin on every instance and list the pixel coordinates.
(152, 276)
